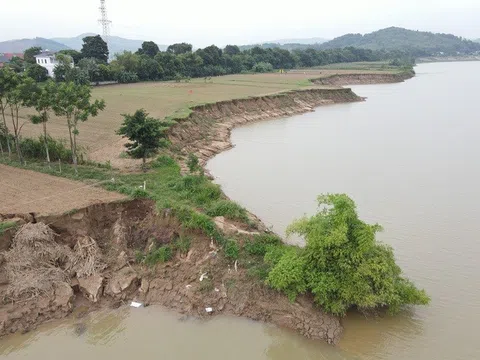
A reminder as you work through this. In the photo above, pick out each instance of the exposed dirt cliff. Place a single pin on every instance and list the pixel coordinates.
(206, 132)
(119, 231)
(364, 79)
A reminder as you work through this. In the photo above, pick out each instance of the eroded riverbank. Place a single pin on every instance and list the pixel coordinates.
(121, 230)
(206, 131)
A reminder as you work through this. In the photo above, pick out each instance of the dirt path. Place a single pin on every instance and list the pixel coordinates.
(25, 191)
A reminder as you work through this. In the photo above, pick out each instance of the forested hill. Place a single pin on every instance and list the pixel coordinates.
(417, 43)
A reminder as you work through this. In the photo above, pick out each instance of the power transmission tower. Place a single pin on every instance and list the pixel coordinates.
(104, 21)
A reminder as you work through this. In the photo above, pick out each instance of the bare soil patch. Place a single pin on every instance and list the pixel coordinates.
(26, 191)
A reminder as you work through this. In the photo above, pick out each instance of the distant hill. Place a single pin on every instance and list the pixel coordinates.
(19, 46)
(306, 41)
(419, 43)
(286, 46)
(116, 44)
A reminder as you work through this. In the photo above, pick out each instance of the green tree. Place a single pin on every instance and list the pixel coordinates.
(29, 54)
(180, 48)
(95, 47)
(37, 73)
(16, 64)
(148, 68)
(231, 50)
(43, 100)
(74, 54)
(146, 134)
(128, 61)
(91, 68)
(63, 70)
(342, 264)
(8, 82)
(74, 102)
(3, 136)
(19, 95)
(148, 48)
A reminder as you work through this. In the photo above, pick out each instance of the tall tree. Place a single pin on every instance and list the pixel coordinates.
(62, 70)
(231, 50)
(7, 83)
(95, 47)
(19, 96)
(3, 136)
(148, 48)
(29, 54)
(90, 66)
(74, 102)
(144, 132)
(37, 73)
(180, 48)
(43, 100)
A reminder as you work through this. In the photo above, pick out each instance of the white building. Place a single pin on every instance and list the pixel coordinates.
(48, 60)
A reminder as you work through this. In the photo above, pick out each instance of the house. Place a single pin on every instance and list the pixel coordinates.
(48, 60)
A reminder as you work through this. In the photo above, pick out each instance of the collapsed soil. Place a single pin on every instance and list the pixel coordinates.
(122, 229)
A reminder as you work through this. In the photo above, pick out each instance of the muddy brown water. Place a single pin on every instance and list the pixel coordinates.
(409, 158)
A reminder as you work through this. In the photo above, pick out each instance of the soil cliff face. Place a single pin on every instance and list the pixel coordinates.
(206, 132)
(363, 79)
(189, 283)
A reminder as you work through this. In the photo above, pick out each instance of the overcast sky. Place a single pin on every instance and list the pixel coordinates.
(221, 22)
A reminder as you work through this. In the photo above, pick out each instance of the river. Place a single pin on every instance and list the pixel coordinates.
(407, 156)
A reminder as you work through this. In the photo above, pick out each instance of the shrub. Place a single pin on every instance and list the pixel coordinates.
(191, 219)
(160, 255)
(138, 193)
(125, 77)
(163, 161)
(289, 274)
(229, 209)
(231, 249)
(197, 188)
(193, 163)
(262, 67)
(260, 244)
(342, 264)
(57, 149)
(6, 225)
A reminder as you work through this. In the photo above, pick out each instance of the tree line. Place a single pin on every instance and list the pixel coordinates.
(180, 61)
(74, 103)
(65, 99)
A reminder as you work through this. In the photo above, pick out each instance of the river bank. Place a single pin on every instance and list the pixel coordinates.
(201, 282)
(176, 284)
(206, 131)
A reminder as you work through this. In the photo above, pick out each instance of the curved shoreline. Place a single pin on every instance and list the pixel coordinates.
(206, 131)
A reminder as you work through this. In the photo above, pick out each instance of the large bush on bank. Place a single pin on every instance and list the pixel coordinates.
(342, 264)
